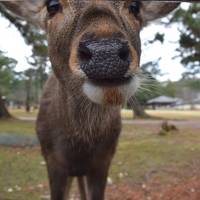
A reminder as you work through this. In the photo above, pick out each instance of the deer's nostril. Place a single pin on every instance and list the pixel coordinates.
(124, 53)
(84, 53)
(102, 59)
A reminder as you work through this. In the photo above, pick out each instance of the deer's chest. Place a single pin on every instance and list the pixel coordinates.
(80, 156)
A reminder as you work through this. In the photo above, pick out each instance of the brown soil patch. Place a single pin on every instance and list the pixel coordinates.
(182, 190)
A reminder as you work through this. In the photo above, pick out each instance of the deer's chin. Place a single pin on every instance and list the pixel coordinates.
(110, 95)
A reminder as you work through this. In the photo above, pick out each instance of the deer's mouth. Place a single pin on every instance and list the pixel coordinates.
(111, 82)
(107, 92)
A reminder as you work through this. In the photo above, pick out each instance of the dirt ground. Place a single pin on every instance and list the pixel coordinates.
(186, 187)
(182, 190)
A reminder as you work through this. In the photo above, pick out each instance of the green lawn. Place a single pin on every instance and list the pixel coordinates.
(20, 127)
(141, 153)
(22, 174)
(17, 127)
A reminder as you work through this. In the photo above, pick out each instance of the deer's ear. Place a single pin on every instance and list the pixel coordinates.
(152, 10)
(33, 11)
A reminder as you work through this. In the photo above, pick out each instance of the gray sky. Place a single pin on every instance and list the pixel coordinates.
(172, 68)
(13, 44)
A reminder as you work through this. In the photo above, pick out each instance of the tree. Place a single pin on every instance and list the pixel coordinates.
(149, 85)
(149, 88)
(189, 50)
(37, 39)
(39, 62)
(29, 74)
(6, 77)
(193, 84)
(169, 89)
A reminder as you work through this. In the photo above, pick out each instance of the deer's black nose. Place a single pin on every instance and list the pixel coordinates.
(104, 59)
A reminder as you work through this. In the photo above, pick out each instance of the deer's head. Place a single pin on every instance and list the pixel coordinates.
(94, 44)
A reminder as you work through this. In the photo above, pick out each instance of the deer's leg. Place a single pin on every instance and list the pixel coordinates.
(82, 184)
(68, 187)
(96, 180)
(59, 182)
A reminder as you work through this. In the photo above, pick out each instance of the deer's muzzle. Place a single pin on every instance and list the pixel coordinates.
(104, 59)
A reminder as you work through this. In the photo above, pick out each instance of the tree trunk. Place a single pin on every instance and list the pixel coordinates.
(3, 110)
(27, 102)
(138, 109)
(28, 95)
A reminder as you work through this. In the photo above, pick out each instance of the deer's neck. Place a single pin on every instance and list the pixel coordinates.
(84, 115)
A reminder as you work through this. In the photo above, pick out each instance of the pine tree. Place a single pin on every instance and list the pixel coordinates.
(6, 76)
(189, 51)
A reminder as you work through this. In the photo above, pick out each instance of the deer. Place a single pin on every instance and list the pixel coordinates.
(94, 49)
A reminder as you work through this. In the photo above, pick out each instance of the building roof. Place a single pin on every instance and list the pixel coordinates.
(163, 100)
(197, 100)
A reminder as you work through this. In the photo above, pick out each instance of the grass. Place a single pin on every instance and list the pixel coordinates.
(128, 114)
(175, 114)
(21, 174)
(17, 127)
(167, 114)
(141, 154)
(20, 127)
(23, 113)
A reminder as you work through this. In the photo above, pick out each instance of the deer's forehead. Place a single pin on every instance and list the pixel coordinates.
(83, 3)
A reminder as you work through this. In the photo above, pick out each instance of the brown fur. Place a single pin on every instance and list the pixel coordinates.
(112, 96)
(78, 137)
(104, 29)
(82, 136)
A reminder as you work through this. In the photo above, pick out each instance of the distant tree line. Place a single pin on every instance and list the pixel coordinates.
(26, 85)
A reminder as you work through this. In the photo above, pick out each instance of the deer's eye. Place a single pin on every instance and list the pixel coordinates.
(53, 6)
(134, 8)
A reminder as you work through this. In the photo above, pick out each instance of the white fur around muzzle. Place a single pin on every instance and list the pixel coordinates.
(96, 93)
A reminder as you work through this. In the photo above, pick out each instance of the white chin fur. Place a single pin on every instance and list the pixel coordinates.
(95, 93)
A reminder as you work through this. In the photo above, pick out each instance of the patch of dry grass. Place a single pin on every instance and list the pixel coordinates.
(128, 114)
(175, 114)
(22, 113)
(166, 114)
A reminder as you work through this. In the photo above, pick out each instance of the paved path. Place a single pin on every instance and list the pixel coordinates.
(11, 140)
(153, 122)
(179, 123)
(27, 118)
